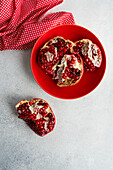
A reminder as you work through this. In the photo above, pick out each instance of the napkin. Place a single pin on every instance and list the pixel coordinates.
(21, 21)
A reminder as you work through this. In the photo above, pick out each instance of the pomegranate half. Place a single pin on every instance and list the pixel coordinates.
(53, 51)
(37, 114)
(90, 53)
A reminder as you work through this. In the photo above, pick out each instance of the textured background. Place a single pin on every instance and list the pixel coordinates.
(83, 136)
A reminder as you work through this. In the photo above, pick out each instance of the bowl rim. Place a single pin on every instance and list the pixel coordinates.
(64, 98)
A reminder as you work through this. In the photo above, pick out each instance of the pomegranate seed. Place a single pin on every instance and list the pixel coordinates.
(68, 73)
(42, 132)
(52, 47)
(64, 50)
(44, 113)
(62, 45)
(46, 49)
(86, 60)
(26, 107)
(60, 48)
(79, 60)
(70, 45)
(76, 78)
(67, 69)
(37, 122)
(73, 81)
(40, 102)
(61, 53)
(79, 45)
(58, 55)
(30, 103)
(45, 105)
(74, 48)
(77, 70)
(27, 110)
(18, 108)
(59, 40)
(91, 69)
(92, 65)
(49, 115)
(89, 63)
(50, 127)
(64, 75)
(72, 61)
(26, 120)
(52, 119)
(41, 110)
(71, 75)
(51, 122)
(40, 126)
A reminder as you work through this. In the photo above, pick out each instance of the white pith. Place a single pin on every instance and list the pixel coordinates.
(63, 66)
(54, 41)
(49, 56)
(55, 52)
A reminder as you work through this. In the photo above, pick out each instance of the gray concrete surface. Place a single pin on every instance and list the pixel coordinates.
(83, 136)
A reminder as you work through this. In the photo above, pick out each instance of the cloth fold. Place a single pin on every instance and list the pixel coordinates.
(20, 23)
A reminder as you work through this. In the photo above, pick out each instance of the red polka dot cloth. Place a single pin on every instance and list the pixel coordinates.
(21, 21)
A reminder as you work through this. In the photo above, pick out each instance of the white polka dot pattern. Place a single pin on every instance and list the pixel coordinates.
(20, 24)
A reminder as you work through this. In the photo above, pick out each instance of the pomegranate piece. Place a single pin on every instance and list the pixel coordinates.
(90, 54)
(53, 51)
(37, 114)
(69, 70)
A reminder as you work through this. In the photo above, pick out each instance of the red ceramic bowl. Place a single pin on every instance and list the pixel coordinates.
(88, 82)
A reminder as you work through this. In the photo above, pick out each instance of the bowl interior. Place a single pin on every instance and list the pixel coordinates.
(88, 82)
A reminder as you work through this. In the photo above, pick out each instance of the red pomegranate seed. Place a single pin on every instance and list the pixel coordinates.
(64, 50)
(36, 121)
(50, 127)
(45, 105)
(44, 113)
(89, 63)
(77, 70)
(60, 48)
(64, 75)
(49, 115)
(86, 60)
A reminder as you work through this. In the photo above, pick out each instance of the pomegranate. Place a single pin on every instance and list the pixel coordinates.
(53, 51)
(37, 114)
(64, 59)
(90, 54)
(69, 70)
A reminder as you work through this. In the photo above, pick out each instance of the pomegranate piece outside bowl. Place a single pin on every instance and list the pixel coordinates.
(89, 80)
